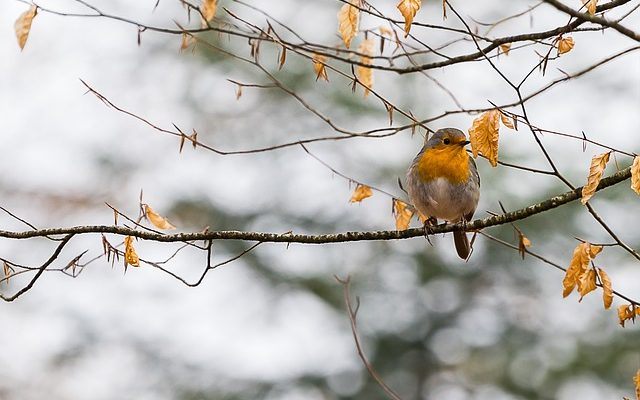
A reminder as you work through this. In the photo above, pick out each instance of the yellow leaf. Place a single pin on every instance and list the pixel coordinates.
(208, 10)
(402, 213)
(365, 75)
(598, 164)
(523, 243)
(635, 174)
(625, 312)
(587, 283)
(591, 5)
(22, 25)
(577, 267)
(319, 66)
(156, 219)
(565, 45)
(505, 47)
(408, 9)
(594, 250)
(187, 40)
(130, 256)
(483, 135)
(348, 18)
(507, 121)
(361, 193)
(607, 291)
(636, 381)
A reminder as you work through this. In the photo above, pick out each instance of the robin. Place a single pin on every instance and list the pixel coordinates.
(443, 182)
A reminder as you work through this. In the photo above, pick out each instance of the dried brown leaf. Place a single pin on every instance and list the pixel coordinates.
(361, 193)
(408, 9)
(208, 10)
(505, 48)
(319, 66)
(156, 219)
(594, 250)
(598, 164)
(635, 175)
(507, 121)
(187, 40)
(587, 282)
(22, 25)
(625, 313)
(565, 44)
(523, 243)
(283, 57)
(483, 135)
(577, 267)
(130, 255)
(591, 6)
(365, 74)
(607, 291)
(348, 19)
(402, 213)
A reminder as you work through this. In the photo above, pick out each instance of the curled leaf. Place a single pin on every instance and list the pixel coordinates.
(591, 6)
(208, 10)
(130, 255)
(507, 121)
(402, 214)
(523, 243)
(348, 19)
(365, 74)
(635, 175)
(598, 164)
(587, 282)
(22, 25)
(607, 291)
(483, 135)
(187, 40)
(625, 313)
(361, 193)
(319, 66)
(565, 45)
(504, 48)
(408, 9)
(594, 250)
(156, 219)
(577, 267)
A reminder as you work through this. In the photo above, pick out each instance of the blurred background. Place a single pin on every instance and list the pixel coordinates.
(272, 325)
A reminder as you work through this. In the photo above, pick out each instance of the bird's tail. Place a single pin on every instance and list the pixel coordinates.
(462, 244)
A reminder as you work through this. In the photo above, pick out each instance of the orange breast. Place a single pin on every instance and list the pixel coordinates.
(451, 163)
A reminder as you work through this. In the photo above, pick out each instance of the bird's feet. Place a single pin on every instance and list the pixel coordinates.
(431, 221)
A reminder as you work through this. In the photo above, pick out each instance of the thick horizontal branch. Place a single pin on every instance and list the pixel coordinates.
(523, 213)
(504, 40)
(595, 19)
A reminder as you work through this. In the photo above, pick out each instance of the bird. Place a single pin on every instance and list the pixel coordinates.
(443, 182)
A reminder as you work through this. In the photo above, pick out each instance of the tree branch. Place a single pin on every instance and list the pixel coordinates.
(478, 224)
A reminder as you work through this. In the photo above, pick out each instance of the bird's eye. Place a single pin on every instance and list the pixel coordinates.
(446, 141)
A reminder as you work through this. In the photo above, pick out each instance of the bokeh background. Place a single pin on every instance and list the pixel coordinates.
(272, 325)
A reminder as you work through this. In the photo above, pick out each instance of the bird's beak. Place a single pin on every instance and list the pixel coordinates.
(464, 143)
